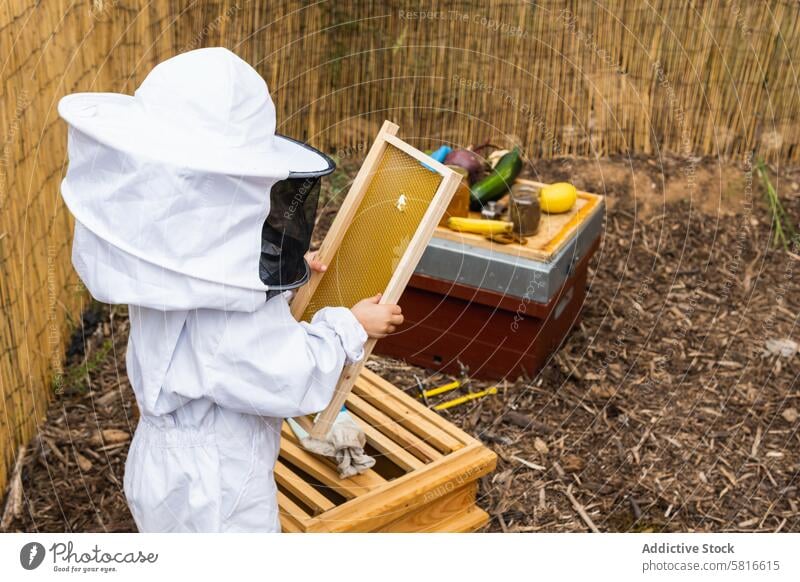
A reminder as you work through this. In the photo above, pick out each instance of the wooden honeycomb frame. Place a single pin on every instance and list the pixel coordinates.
(426, 187)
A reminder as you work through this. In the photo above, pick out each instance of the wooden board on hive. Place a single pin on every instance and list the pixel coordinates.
(555, 230)
(425, 478)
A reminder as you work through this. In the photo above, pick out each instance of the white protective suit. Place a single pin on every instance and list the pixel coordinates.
(170, 189)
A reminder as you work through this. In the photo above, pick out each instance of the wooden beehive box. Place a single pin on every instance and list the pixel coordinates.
(425, 478)
(500, 310)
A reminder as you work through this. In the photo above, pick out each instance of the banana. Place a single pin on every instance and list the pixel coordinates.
(478, 225)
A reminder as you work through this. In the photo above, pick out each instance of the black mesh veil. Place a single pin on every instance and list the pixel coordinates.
(286, 234)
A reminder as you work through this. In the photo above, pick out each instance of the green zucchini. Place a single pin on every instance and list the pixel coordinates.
(498, 182)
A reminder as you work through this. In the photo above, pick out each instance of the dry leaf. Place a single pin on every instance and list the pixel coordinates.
(84, 463)
(572, 463)
(502, 477)
(529, 464)
(790, 415)
(540, 446)
(107, 398)
(110, 436)
(599, 392)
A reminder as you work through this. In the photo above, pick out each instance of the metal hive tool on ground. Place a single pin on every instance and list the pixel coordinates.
(376, 240)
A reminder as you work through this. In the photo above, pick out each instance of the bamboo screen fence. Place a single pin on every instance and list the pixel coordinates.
(713, 77)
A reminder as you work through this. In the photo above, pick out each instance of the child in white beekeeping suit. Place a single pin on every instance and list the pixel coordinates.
(191, 209)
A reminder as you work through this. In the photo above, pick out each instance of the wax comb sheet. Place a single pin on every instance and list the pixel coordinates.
(393, 206)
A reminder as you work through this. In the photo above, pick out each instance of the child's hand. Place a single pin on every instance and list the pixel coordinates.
(314, 263)
(378, 320)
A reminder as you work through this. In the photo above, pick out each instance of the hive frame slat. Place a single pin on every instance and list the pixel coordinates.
(387, 447)
(293, 518)
(300, 489)
(389, 427)
(409, 415)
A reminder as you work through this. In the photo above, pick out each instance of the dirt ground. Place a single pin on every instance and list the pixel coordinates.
(663, 410)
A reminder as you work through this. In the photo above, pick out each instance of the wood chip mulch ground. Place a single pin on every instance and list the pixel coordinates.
(669, 408)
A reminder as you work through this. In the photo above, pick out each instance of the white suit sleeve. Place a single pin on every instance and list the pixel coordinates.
(268, 364)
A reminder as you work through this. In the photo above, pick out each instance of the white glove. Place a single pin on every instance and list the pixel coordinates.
(345, 443)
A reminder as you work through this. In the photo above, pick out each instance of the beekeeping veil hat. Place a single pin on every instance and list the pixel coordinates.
(184, 196)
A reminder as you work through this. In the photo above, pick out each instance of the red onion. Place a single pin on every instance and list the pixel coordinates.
(468, 160)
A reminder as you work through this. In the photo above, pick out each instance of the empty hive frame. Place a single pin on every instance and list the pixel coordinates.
(376, 240)
(425, 478)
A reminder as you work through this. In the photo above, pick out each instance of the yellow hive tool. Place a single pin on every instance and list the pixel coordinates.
(467, 398)
(440, 389)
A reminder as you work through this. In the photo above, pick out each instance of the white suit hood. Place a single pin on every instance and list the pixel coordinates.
(170, 187)
(162, 236)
